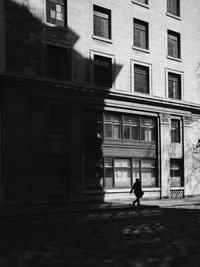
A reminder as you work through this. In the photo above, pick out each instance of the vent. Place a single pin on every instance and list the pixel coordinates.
(176, 193)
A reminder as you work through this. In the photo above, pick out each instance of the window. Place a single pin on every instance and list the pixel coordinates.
(140, 34)
(147, 128)
(57, 62)
(134, 128)
(56, 12)
(174, 49)
(174, 85)
(57, 119)
(102, 71)
(131, 127)
(122, 172)
(112, 126)
(102, 22)
(141, 79)
(175, 172)
(173, 7)
(175, 131)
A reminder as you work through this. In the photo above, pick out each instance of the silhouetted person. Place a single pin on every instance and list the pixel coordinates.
(137, 191)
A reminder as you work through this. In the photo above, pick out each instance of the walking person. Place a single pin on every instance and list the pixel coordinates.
(137, 191)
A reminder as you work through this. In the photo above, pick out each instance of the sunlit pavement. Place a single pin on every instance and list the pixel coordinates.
(146, 236)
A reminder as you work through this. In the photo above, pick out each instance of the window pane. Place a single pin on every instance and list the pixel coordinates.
(175, 172)
(108, 162)
(102, 22)
(126, 129)
(173, 44)
(136, 174)
(148, 163)
(122, 177)
(141, 79)
(174, 85)
(140, 34)
(135, 132)
(116, 131)
(108, 130)
(122, 163)
(148, 177)
(135, 163)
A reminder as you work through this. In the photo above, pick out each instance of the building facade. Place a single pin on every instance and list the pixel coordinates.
(94, 94)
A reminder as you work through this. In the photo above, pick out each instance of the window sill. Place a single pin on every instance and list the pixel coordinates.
(140, 4)
(174, 58)
(141, 49)
(177, 187)
(95, 37)
(173, 16)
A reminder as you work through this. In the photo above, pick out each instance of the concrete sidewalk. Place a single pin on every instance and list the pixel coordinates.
(78, 207)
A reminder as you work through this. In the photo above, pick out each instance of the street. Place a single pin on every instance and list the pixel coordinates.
(132, 237)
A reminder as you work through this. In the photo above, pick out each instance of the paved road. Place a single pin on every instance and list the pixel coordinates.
(136, 237)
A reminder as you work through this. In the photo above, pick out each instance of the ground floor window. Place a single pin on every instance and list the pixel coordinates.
(120, 172)
(176, 173)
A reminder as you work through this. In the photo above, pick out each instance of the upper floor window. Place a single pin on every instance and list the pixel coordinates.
(174, 85)
(56, 12)
(102, 71)
(112, 126)
(175, 131)
(57, 62)
(102, 22)
(140, 29)
(173, 7)
(174, 46)
(141, 79)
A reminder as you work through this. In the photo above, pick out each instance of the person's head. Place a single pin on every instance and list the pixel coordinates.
(137, 181)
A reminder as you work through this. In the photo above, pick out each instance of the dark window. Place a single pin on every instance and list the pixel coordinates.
(57, 62)
(174, 49)
(102, 22)
(102, 71)
(142, 1)
(112, 126)
(56, 119)
(175, 131)
(174, 85)
(173, 7)
(175, 172)
(93, 174)
(56, 12)
(141, 79)
(140, 34)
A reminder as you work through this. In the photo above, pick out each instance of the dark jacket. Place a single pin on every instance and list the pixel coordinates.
(137, 189)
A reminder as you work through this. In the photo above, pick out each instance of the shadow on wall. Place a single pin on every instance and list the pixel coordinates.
(37, 50)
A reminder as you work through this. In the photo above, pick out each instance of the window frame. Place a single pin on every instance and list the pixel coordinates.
(176, 49)
(145, 65)
(104, 12)
(170, 8)
(64, 13)
(179, 74)
(142, 34)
